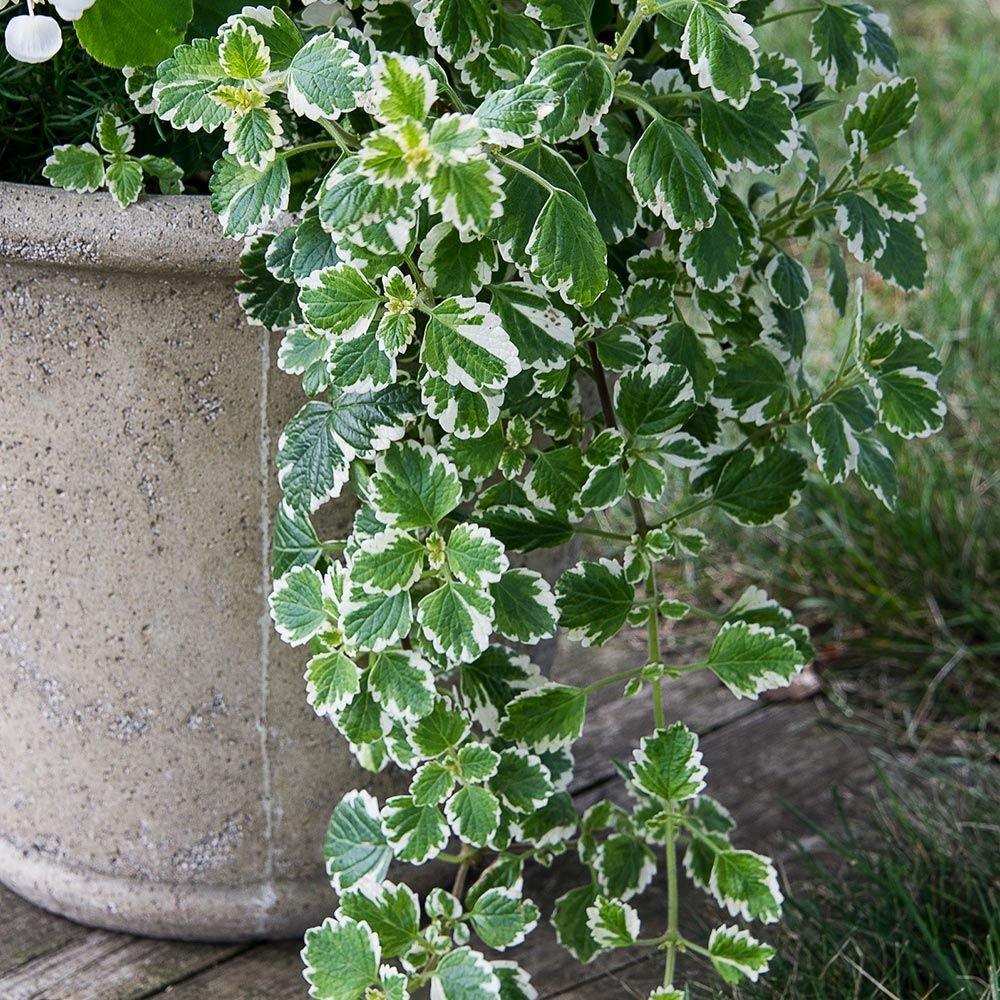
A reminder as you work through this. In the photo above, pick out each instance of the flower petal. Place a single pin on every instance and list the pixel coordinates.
(33, 38)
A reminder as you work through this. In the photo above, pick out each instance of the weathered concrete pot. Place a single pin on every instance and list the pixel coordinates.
(160, 771)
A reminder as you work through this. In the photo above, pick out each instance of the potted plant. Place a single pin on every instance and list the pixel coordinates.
(526, 262)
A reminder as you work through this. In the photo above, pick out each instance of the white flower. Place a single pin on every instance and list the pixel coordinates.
(33, 38)
(71, 10)
(325, 13)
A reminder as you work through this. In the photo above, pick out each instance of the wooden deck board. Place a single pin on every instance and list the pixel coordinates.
(44, 956)
(26, 932)
(103, 966)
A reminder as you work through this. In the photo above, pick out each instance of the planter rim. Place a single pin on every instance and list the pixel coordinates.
(169, 234)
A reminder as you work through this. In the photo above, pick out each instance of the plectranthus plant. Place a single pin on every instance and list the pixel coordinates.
(545, 269)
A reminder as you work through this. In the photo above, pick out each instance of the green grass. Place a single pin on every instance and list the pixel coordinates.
(59, 101)
(912, 599)
(911, 907)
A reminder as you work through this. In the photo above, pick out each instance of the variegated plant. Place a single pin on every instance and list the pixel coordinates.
(471, 218)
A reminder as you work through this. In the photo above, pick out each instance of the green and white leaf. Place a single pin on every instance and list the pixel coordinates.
(322, 439)
(301, 604)
(612, 923)
(837, 38)
(594, 600)
(902, 370)
(245, 199)
(474, 814)
(570, 921)
(624, 866)
(452, 266)
(881, 115)
(387, 562)
(182, 93)
(243, 54)
(611, 197)
(713, 255)
(414, 486)
(391, 911)
(474, 556)
(903, 261)
(402, 87)
(491, 681)
(75, 168)
(542, 334)
(671, 176)
(737, 956)
(511, 116)
(545, 718)
(458, 29)
(401, 681)
(464, 974)
(415, 833)
(457, 620)
(325, 78)
(332, 681)
(877, 470)
(373, 622)
(441, 731)
(583, 87)
(468, 194)
(719, 46)
(124, 179)
(254, 135)
(746, 884)
(355, 847)
(522, 782)
(751, 386)
(667, 765)
(341, 959)
(750, 658)
(754, 489)
(566, 250)
(862, 226)
(556, 478)
(432, 784)
(501, 919)
(788, 281)
(465, 345)
(654, 400)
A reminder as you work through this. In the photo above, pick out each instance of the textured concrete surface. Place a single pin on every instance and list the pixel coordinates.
(161, 772)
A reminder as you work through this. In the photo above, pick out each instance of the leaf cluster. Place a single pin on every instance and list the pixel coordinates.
(551, 270)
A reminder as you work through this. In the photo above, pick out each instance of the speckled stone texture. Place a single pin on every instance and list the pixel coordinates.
(160, 771)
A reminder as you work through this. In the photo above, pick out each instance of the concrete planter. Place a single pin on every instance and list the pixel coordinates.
(161, 772)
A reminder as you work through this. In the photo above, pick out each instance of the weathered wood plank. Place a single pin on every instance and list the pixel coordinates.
(26, 932)
(99, 965)
(267, 972)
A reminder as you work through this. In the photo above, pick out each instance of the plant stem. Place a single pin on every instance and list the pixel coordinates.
(639, 102)
(458, 888)
(688, 511)
(623, 675)
(309, 147)
(625, 38)
(673, 911)
(527, 171)
(654, 648)
(610, 421)
(789, 13)
(597, 533)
